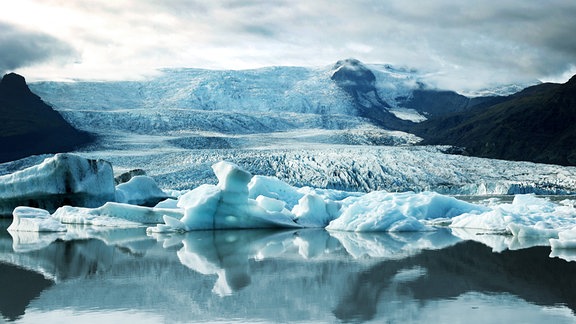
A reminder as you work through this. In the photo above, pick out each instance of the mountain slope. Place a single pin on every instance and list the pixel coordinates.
(536, 124)
(29, 126)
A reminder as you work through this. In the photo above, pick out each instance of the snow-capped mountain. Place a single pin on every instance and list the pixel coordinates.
(385, 95)
(350, 90)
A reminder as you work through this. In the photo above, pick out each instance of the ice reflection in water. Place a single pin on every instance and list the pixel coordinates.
(278, 276)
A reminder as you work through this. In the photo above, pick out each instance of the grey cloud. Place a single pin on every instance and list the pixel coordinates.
(21, 48)
(504, 40)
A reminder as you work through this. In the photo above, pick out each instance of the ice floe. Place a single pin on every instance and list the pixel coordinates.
(242, 201)
(58, 180)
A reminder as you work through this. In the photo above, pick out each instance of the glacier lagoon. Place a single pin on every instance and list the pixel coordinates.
(502, 269)
(509, 269)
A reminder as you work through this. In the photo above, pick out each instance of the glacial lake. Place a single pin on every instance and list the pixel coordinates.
(107, 275)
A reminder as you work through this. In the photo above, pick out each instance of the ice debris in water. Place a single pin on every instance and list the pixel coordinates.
(241, 200)
(30, 219)
(526, 216)
(383, 211)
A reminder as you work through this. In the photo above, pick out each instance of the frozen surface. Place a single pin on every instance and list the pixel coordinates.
(58, 179)
(140, 190)
(349, 168)
(526, 216)
(398, 212)
(29, 219)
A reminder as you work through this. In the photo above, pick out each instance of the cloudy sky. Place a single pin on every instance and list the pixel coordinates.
(461, 44)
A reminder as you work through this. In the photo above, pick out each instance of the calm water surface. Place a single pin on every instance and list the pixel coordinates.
(96, 275)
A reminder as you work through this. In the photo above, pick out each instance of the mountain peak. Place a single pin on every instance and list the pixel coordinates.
(353, 73)
(14, 83)
(572, 81)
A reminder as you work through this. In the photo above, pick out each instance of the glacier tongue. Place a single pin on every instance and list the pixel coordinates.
(354, 168)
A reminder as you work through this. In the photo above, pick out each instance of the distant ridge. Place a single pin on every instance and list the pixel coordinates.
(29, 126)
(537, 124)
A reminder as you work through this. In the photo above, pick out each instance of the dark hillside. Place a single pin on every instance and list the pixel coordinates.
(29, 126)
(537, 124)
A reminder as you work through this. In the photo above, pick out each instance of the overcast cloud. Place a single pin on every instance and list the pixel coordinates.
(20, 48)
(462, 44)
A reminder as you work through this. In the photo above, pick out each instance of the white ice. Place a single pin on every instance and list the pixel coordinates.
(241, 201)
(61, 174)
(139, 190)
(397, 212)
(526, 216)
(60, 178)
(30, 219)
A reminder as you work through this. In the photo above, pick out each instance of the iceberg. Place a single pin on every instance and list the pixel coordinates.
(114, 214)
(140, 190)
(64, 179)
(399, 212)
(30, 219)
(227, 205)
(527, 216)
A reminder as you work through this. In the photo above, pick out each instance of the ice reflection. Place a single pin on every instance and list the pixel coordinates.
(279, 276)
(227, 254)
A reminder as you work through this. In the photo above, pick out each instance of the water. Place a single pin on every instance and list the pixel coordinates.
(96, 275)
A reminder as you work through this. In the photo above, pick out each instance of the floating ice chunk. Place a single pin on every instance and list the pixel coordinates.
(566, 239)
(200, 206)
(227, 205)
(274, 188)
(29, 219)
(540, 229)
(527, 215)
(198, 196)
(231, 177)
(383, 211)
(140, 190)
(58, 180)
(114, 214)
(171, 224)
(168, 203)
(271, 204)
(313, 211)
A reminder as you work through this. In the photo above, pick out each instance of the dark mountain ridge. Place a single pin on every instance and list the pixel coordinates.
(537, 124)
(29, 126)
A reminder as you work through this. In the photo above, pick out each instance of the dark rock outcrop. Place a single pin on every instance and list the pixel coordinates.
(438, 103)
(360, 83)
(30, 126)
